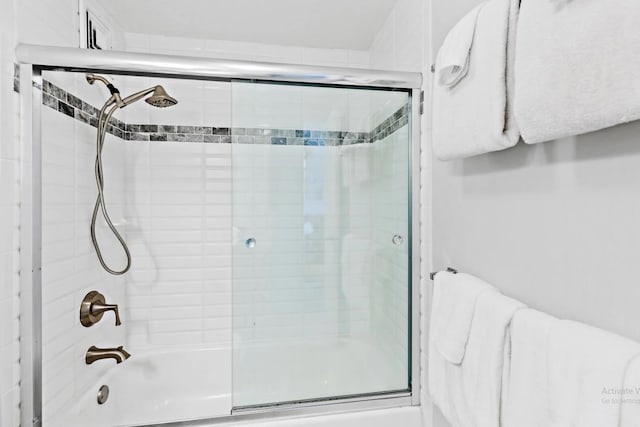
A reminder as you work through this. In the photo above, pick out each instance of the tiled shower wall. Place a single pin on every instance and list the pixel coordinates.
(178, 222)
(69, 266)
(390, 272)
(179, 292)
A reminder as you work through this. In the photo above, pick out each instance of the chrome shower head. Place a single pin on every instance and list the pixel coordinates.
(160, 98)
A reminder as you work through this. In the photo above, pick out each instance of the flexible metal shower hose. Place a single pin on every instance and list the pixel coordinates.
(103, 123)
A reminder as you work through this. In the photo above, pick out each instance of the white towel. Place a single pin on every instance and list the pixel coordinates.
(564, 373)
(526, 404)
(469, 394)
(475, 116)
(453, 62)
(586, 365)
(454, 300)
(577, 67)
(630, 397)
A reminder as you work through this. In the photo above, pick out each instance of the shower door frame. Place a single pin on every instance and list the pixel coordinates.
(35, 59)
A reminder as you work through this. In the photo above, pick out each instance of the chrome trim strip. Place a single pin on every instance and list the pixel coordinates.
(326, 408)
(414, 235)
(185, 66)
(31, 245)
(36, 167)
(27, 318)
(269, 407)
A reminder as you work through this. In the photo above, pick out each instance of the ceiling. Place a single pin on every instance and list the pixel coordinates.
(344, 24)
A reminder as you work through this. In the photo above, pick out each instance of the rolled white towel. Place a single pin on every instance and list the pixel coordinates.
(453, 58)
(476, 115)
(578, 64)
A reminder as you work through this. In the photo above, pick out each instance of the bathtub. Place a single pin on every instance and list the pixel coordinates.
(158, 388)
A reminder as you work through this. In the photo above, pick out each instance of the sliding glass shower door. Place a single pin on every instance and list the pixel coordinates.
(321, 269)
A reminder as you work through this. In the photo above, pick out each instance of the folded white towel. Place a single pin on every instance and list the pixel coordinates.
(454, 300)
(469, 394)
(577, 67)
(526, 403)
(453, 59)
(586, 367)
(475, 116)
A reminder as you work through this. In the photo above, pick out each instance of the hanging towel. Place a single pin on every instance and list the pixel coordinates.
(630, 399)
(454, 300)
(586, 366)
(453, 63)
(526, 402)
(469, 393)
(577, 67)
(475, 116)
(565, 373)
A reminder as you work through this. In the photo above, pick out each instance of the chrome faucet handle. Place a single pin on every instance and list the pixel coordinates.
(93, 307)
(99, 308)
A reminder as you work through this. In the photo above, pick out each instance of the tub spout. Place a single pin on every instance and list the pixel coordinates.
(94, 353)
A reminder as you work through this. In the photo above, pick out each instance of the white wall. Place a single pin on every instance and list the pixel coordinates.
(245, 51)
(9, 202)
(404, 44)
(400, 43)
(554, 225)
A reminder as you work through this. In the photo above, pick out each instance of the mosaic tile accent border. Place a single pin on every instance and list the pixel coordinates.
(244, 135)
(66, 103)
(391, 124)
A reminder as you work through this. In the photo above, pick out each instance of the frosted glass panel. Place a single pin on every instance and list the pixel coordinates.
(320, 285)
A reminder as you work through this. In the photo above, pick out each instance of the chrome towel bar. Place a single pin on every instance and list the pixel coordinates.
(432, 275)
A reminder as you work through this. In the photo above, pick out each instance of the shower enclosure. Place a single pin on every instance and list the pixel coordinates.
(269, 218)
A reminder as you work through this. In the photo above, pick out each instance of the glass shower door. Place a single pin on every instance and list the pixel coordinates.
(320, 243)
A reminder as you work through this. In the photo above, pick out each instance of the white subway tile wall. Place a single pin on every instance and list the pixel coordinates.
(9, 241)
(9, 225)
(178, 225)
(390, 267)
(69, 265)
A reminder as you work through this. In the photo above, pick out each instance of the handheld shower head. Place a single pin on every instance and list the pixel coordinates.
(160, 98)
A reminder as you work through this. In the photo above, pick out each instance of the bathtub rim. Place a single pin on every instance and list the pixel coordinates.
(292, 411)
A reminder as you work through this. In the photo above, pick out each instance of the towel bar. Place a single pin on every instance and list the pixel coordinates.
(432, 275)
